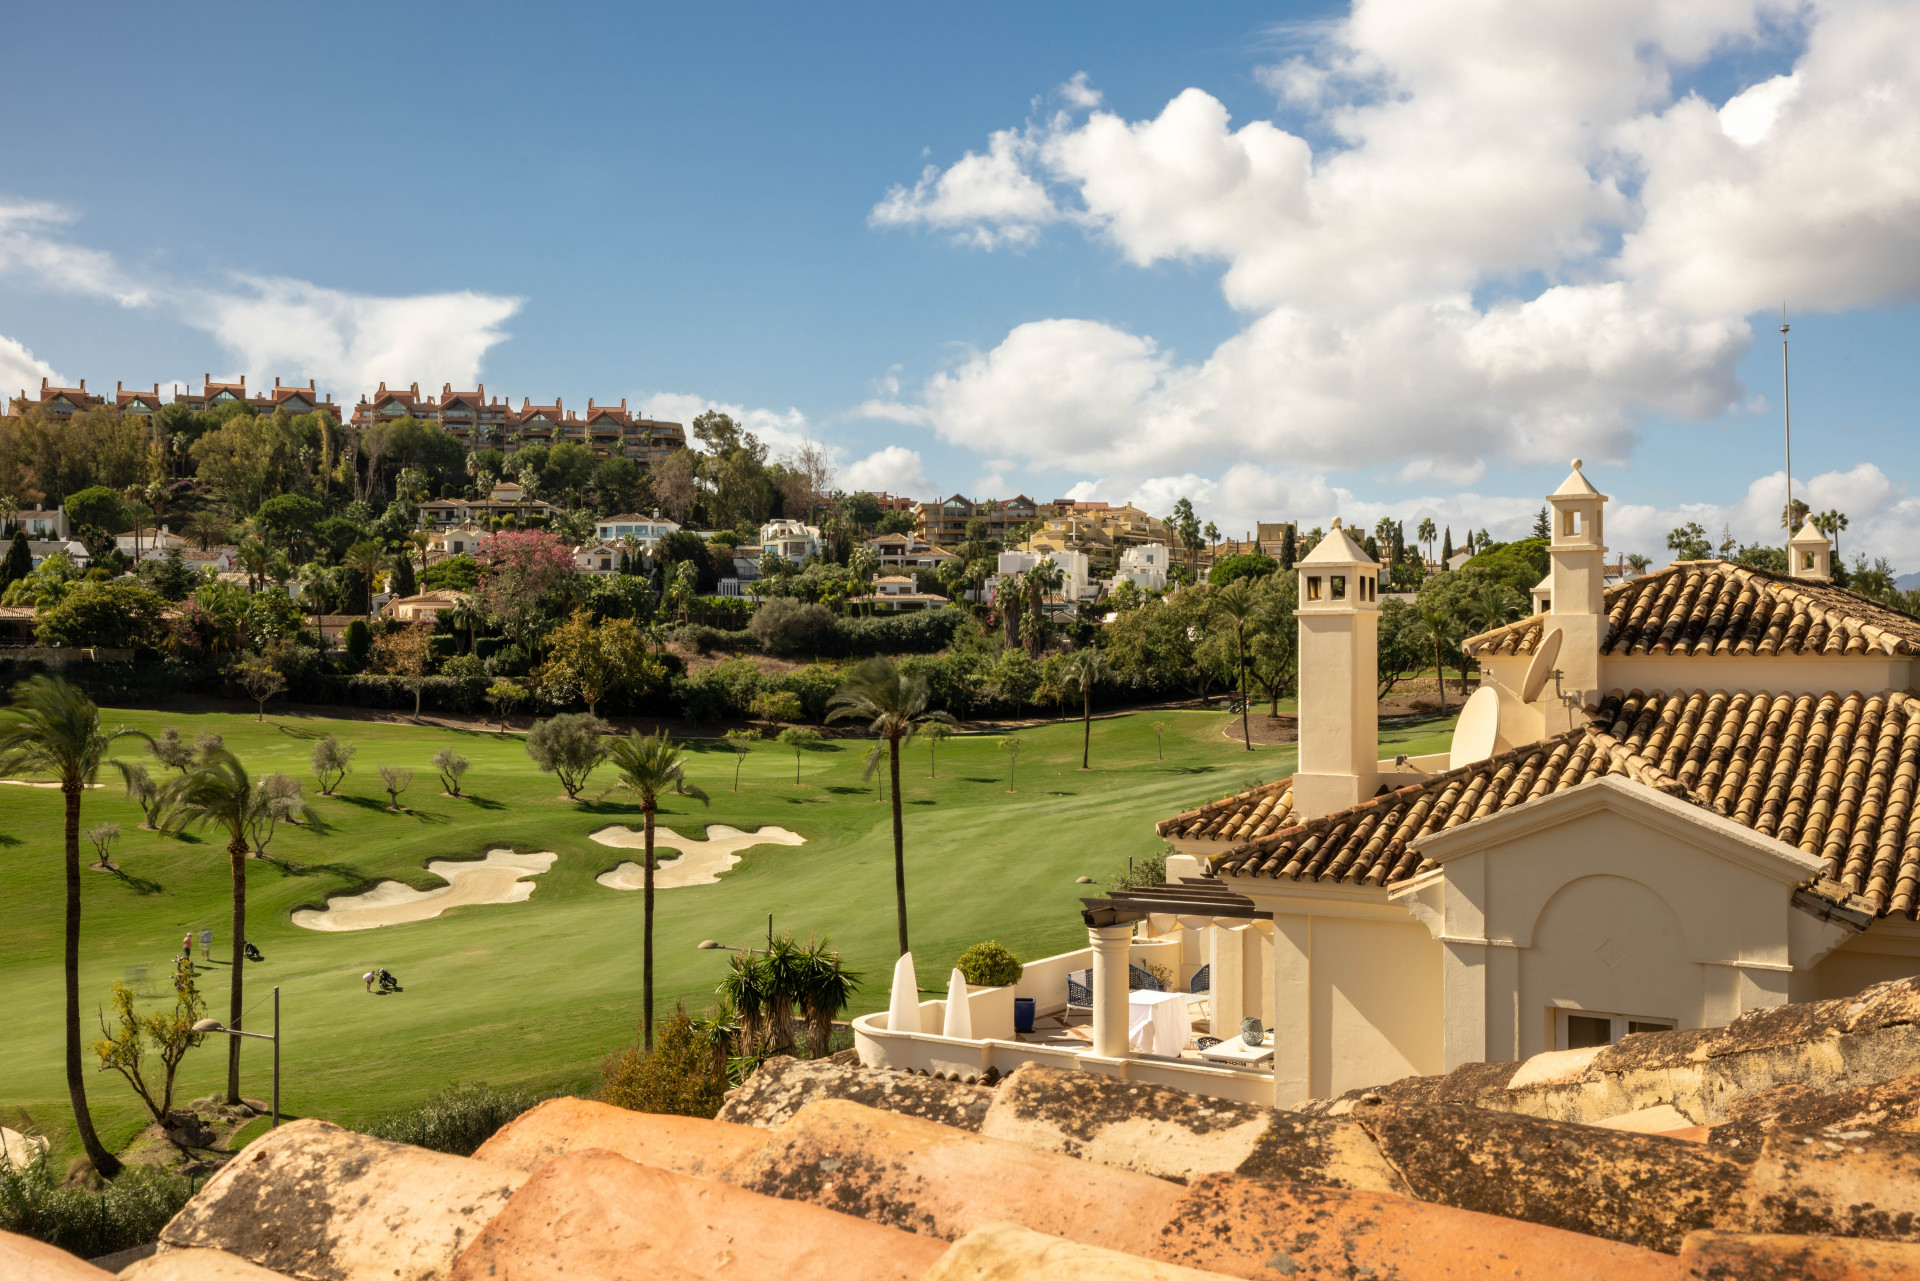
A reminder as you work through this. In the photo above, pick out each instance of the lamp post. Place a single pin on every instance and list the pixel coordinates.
(215, 1025)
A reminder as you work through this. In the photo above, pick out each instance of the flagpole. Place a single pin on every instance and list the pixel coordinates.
(1786, 404)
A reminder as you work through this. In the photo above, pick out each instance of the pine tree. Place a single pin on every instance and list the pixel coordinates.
(1542, 526)
(1446, 547)
(19, 561)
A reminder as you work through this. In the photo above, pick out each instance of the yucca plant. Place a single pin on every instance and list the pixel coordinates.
(827, 986)
(745, 989)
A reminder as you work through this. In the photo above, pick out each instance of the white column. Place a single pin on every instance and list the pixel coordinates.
(1110, 946)
(1228, 985)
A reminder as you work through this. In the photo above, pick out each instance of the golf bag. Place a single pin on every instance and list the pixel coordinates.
(251, 952)
(388, 983)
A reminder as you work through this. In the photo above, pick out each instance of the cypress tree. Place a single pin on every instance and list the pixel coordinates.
(1288, 532)
(19, 561)
(1446, 547)
(402, 585)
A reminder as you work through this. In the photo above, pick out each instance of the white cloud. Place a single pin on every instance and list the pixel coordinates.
(781, 429)
(21, 370)
(894, 469)
(990, 199)
(279, 326)
(31, 247)
(275, 326)
(1520, 241)
(1078, 93)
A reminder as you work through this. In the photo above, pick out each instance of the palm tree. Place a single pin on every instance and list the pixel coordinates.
(218, 793)
(1435, 626)
(1085, 668)
(648, 767)
(894, 704)
(1426, 535)
(52, 728)
(366, 559)
(1238, 607)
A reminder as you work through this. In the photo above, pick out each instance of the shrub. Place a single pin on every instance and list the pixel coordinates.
(724, 691)
(1241, 565)
(129, 1212)
(359, 642)
(680, 1078)
(786, 626)
(989, 965)
(706, 639)
(925, 632)
(457, 1119)
(113, 615)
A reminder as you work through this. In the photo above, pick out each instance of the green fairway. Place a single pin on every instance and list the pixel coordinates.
(537, 992)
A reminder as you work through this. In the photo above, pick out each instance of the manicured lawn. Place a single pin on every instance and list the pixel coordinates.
(538, 992)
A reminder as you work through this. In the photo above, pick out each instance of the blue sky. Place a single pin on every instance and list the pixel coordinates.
(688, 204)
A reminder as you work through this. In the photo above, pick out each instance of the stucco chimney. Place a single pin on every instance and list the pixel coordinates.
(1339, 659)
(1577, 581)
(1810, 555)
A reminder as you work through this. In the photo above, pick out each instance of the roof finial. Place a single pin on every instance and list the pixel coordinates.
(1576, 464)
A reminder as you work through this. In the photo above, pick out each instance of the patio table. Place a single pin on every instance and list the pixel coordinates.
(1158, 1022)
(1235, 1050)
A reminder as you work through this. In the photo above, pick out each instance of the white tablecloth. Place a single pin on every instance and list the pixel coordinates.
(1158, 1022)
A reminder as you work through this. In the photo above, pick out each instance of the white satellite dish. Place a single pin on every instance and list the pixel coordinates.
(1477, 730)
(1541, 667)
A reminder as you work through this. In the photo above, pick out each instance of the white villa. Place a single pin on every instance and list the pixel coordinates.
(790, 540)
(649, 530)
(38, 522)
(1145, 566)
(896, 592)
(905, 551)
(1076, 574)
(1673, 800)
(456, 540)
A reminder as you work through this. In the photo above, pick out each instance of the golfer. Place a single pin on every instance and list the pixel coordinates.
(367, 978)
(206, 944)
(186, 946)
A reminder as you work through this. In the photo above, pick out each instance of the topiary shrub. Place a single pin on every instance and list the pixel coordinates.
(989, 965)
(358, 639)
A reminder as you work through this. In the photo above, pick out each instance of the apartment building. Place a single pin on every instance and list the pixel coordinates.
(1101, 533)
(292, 397)
(943, 522)
(62, 401)
(481, 423)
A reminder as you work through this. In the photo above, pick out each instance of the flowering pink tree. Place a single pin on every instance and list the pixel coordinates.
(520, 572)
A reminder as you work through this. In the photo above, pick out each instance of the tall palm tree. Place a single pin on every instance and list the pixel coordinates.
(52, 728)
(1236, 604)
(1435, 626)
(649, 767)
(894, 704)
(1426, 534)
(1085, 668)
(366, 559)
(217, 792)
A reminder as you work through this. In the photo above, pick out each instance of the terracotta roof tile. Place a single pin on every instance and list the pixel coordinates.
(1252, 813)
(1834, 775)
(1705, 607)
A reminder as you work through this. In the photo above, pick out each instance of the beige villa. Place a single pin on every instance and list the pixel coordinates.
(1674, 799)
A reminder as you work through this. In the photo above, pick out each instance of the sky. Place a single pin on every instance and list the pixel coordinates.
(1398, 258)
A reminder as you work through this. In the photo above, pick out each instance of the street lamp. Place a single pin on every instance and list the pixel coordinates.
(215, 1025)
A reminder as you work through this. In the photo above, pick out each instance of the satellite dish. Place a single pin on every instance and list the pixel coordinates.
(1541, 667)
(1477, 730)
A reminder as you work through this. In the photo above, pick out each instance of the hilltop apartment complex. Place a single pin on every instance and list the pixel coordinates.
(482, 423)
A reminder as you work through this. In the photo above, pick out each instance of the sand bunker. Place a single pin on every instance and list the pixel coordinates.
(20, 1149)
(22, 782)
(493, 879)
(700, 862)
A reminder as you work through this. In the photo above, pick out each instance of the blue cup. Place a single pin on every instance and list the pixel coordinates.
(1023, 1014)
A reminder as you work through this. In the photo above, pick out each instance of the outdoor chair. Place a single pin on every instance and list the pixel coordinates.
(1205, 1042)
(1202, 979)
(1140, 980)
(1080, 989)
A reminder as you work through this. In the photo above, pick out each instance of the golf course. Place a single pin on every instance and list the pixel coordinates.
(536, 992)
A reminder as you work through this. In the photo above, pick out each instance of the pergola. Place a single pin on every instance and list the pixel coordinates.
(1194, 902)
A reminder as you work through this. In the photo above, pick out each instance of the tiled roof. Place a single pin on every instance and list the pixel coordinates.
(1368, 844)
(1834, 775)
(1703, 607)
(1258, 812)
